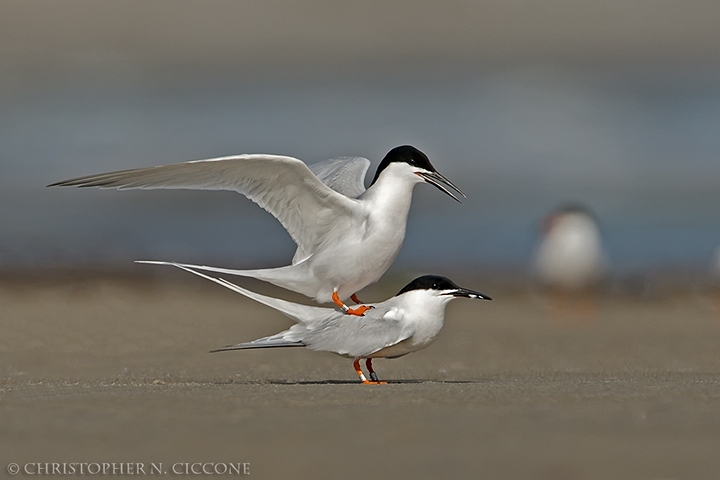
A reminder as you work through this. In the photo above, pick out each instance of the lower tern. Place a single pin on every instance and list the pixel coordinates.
(405, 323)
(347, 236)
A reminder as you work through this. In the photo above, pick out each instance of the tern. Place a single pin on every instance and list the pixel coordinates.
(347, 237)
(405, 323)
(570, 256)
(715, 266)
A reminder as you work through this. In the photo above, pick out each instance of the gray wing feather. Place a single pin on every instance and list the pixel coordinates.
(352, 337)
(345, 175)
(273, 341)
(284, 186)
(355, 336)
(339, 333)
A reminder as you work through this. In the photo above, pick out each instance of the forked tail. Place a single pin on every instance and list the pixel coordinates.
(288, 277)
(297, 312)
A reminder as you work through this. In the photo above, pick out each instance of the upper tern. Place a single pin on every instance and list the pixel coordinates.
(405, 323)
(347, 237)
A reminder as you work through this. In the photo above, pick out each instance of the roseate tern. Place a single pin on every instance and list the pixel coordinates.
(570, 256)
(405, 323)
(715, 266)
(347, 237)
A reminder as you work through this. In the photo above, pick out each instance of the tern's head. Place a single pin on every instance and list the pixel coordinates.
(568, 217)
(411, 161)
(439, 287)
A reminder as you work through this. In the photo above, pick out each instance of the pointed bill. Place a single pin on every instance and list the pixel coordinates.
(466, 293)
(438, 180)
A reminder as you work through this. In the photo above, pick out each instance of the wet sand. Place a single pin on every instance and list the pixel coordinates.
(104, 369)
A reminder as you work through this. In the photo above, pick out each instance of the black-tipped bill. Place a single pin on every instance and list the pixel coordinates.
(438, 180)
(464, 292)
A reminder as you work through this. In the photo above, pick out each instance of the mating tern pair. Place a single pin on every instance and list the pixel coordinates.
(347, 237)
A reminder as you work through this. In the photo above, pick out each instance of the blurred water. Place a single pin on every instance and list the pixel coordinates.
(639, 148)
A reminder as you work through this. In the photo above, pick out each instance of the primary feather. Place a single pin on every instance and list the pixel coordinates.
(345, 175)
(284, 186)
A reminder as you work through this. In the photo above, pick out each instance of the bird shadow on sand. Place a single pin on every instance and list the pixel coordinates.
(356, 382)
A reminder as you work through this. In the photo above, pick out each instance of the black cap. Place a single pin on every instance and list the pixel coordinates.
(405, 154)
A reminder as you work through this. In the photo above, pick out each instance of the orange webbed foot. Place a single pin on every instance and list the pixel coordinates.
(359, 311)
(373, 377)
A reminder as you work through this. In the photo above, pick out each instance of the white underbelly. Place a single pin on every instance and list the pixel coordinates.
(353, 266)
(400, 349)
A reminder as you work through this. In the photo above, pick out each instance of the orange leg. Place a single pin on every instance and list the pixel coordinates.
(373, 375)
(355, 299)
(359, 311)
(358, 370)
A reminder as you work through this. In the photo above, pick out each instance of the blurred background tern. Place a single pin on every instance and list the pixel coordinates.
(570, 256)
(570, 264)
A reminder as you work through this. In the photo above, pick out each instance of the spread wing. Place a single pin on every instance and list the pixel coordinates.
(284, 186)
(345, 175)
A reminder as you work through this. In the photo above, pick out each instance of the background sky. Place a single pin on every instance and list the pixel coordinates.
(524, 105)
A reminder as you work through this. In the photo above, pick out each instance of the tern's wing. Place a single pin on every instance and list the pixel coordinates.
(355, 336)
(284, 186)
(345, 175)
(336, 332)
(339, 333)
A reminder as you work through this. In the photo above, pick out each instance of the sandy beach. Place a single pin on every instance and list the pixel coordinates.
(114, 369)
